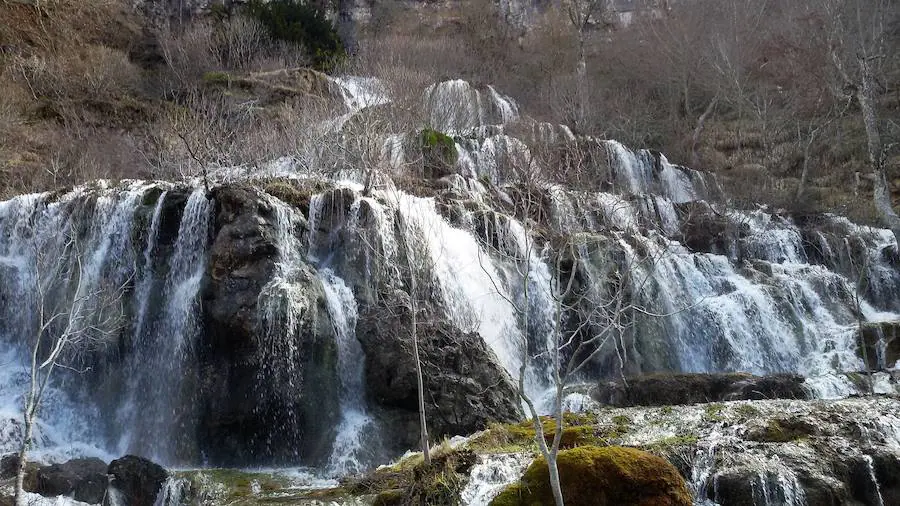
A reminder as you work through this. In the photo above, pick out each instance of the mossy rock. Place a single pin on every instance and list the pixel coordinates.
(411, 482)
(579, 429)
(595, 476)
(782, 431)
(439, 153)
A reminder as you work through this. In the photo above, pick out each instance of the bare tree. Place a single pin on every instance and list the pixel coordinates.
(73, 316)
(583, 14)
(860, 40)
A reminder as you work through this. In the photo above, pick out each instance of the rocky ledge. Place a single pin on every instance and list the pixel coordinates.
(732, 453)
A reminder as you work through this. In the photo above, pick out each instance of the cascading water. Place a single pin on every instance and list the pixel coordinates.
(348, 453)
(163, 347)
(717, 289)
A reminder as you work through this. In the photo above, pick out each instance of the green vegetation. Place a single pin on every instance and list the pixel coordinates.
(303, 24)
(438, 153)
(747, 411)
(666, 444)
(594, 476)
(217, 77)
(231, 485)
(411, 482)
(781, 431)
(578, 429)
(713, 412)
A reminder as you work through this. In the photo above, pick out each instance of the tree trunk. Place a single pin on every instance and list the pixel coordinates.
(554, 481)
(581, 76)
(698, 130)
(804, 174)
(420, 383)
(23, 450)
(882, 197)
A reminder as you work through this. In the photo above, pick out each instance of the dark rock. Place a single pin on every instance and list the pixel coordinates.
(705, 230)
(137, 479)
(668, 389)
(91, 489)
(254, 403)
(862, 477)
(9, 466)
(465, 388)
(733, 488)
(821, 491)
(88, 475)
(882, 344)
(886, 466)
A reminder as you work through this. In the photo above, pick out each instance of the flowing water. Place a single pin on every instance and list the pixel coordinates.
(708, 288)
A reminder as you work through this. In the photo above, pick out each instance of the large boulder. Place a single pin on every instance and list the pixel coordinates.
(137, 479)
(594, 476)
(669, 389)
(465, 388)
(267, 374)
(9, 465)
(83, 479)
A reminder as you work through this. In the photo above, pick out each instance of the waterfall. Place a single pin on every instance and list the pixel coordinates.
(870, 469)
(491, 475)
(154, 410)
(467, 277)
(349, 454)
(173, 492)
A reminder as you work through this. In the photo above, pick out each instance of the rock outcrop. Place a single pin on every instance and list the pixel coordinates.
(465, 388)
(268, 393)
(137, 479)
(84, 480)
(668, 389)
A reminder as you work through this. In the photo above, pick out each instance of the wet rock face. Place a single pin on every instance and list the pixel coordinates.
(705, 230)
(886, 467)
(464, 387)
(882, 345)
(137, 479)
(669, 389)
(83, 479)
(252, 409)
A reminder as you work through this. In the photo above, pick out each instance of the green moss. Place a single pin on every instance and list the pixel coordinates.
(390, 497)
(439, 153)
(216, 77)
(666, 410)
(747, 411)
(781, 431)
(289, 192)
(713, 412)
(666, 444)
(410, 481)
(597, 476)
(230, 485)
(578, 429)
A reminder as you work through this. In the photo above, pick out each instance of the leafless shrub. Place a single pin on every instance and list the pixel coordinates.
(97, 74)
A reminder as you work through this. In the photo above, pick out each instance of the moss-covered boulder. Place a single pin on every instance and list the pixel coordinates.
(595, 476)
(439, 153)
